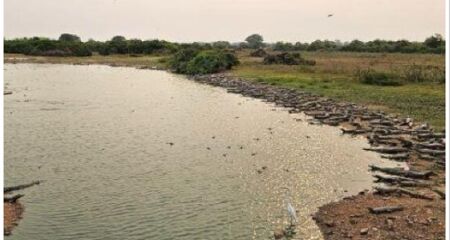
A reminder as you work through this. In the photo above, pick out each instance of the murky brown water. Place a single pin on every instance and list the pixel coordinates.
(99, 138)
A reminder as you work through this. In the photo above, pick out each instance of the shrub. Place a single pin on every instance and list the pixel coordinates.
(80, 50)
(94, 46)
(192, 61)
(288, 59)
(211, 61)
(258, 53)
(104, 50)
(180, 59)
(221, 44)
(283, 46)
(373, 77)
(308, 62)
(417, 74)
(135, 46)
(50, 53)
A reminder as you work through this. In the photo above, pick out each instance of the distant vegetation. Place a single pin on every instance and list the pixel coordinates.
(254, 41)
(71, 45)
(200, 58)
(287, 59)
(67, 37)
(433, 44)
(47, 47)
(370, 76)
(410, 74)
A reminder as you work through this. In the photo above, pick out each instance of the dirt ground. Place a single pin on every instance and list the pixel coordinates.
(350, 218)
(12, 213)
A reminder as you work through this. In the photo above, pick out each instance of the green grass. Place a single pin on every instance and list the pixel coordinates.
(425, 102)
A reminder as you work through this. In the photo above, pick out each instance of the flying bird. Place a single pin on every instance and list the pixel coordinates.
(330, 15)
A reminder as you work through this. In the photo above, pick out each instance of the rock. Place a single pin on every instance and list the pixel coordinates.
(364, 231)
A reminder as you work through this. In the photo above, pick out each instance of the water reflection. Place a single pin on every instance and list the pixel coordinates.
(140, 154)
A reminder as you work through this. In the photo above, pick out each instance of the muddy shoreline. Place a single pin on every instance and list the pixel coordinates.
(396, 138)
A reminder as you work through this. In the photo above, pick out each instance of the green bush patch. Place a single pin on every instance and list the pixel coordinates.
(287, 59)
(192, 61)
(373, 77)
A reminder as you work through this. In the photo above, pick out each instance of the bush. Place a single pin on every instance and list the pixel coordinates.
(46, 47)
(221, 44)
(211, 61)
(180, 59)
(373, 77)
(258, 53)
(50, 53)
(80, 50)
(418, 74)
(287, 59)
(283, 46)
(191, 61)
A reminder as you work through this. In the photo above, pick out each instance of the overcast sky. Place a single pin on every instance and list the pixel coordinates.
(211, 20)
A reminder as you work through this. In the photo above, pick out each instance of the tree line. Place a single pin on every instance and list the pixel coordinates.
(432, 44)
(71, 45)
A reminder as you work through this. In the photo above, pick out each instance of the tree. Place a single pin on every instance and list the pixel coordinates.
(221, 44)
(434, 41)
(354, 46)
(282, 46)
(255, 41)
(67, 37)
(135, 46)
(118, 38)
(316, 45)
(117, 45)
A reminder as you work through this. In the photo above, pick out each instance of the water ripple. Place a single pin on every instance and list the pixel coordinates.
(99, 138)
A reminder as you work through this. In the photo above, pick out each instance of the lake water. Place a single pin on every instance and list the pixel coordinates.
(141, 154)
